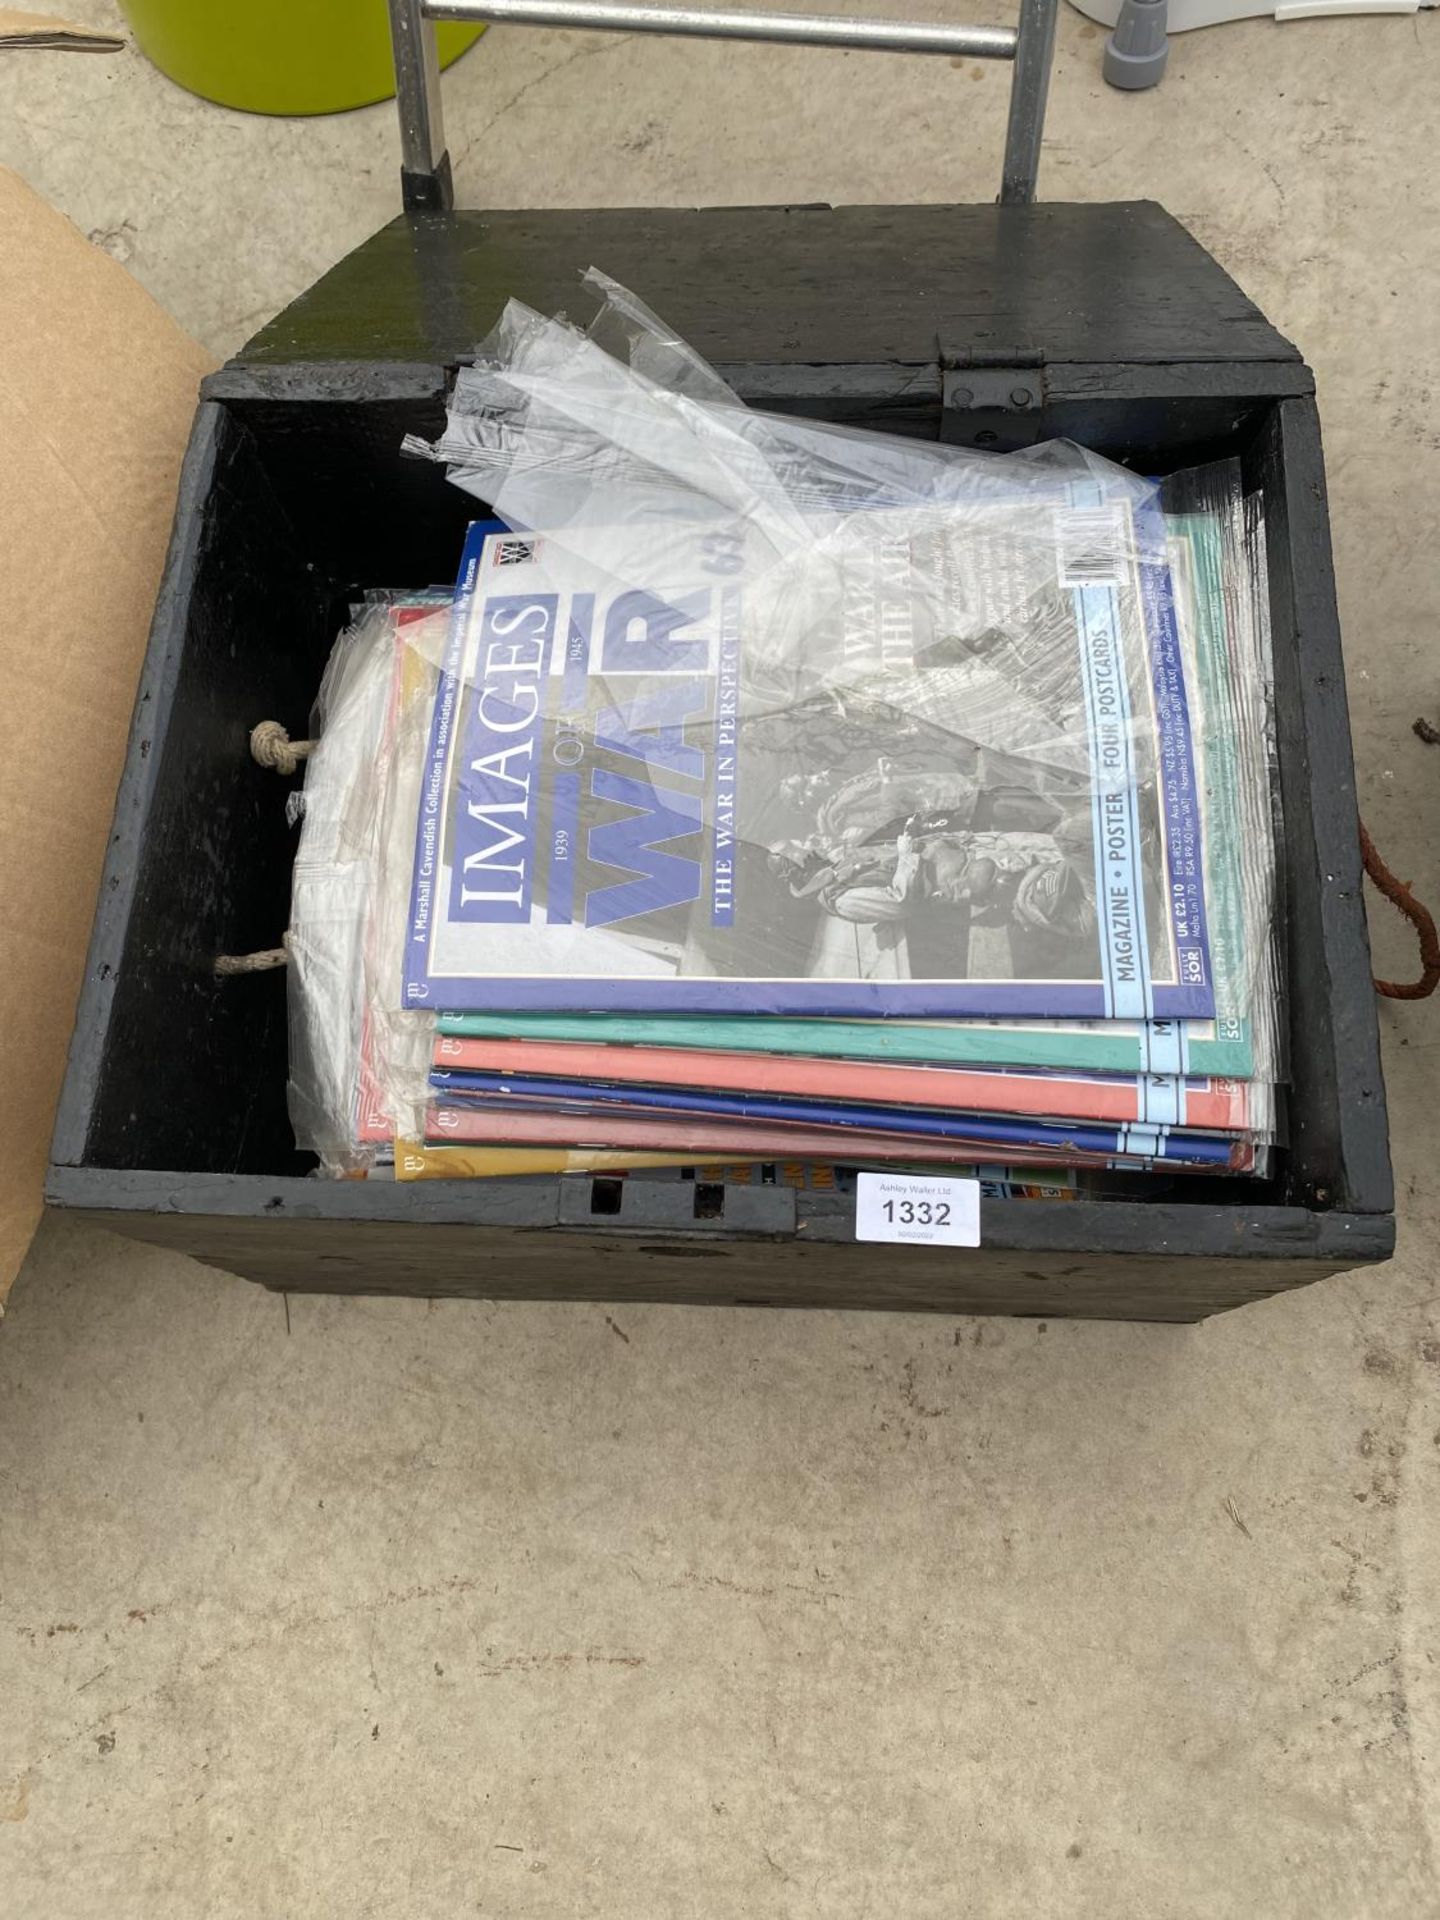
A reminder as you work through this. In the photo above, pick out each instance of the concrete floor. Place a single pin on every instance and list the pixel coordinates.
(367, 1609)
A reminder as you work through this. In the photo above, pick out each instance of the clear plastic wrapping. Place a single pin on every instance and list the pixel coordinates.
(334, 878)
(341, 1056)
(1218, 562)
(744, 718)
(952, 678)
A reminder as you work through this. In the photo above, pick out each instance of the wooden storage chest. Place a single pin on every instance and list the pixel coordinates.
(990, 326)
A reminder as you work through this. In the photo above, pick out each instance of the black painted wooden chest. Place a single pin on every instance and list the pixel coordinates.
(984, 325)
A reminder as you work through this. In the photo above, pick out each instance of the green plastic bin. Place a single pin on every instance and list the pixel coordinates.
(279, 56)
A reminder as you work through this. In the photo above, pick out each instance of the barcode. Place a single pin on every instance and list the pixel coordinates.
(514, 553)
(1091, 546)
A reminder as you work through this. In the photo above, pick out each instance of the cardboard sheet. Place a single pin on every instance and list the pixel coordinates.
(39, 31)
(97, 390)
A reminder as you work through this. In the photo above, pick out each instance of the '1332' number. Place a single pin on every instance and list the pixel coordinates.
(917, 1213)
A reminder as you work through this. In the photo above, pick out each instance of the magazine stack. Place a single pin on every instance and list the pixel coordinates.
(794, 799)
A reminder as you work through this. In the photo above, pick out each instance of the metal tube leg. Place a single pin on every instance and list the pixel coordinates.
(1034, 51)
(424, 163)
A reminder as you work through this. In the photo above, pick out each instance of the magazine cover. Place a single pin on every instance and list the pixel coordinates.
(415, 1161)
(938, 763)
(1199, 1047)
(1220, 1047)
(449, 1122)
(588, 1097)
(1158, 1099)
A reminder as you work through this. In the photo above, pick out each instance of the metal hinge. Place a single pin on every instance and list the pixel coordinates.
(991, 397)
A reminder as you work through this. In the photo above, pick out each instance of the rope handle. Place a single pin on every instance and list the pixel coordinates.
(1419, 916)
(271, 747)
(228, 965)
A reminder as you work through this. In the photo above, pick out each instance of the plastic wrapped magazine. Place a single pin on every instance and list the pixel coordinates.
(702, 794)
(756, 714)
(418, 1162)
(1224, 635)
(1217, 550)
(1234, 1106)
(339, 1095)
(449, 1122)
(496, 1092)
(746, 735)
(341, 1055)
(332, 885)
